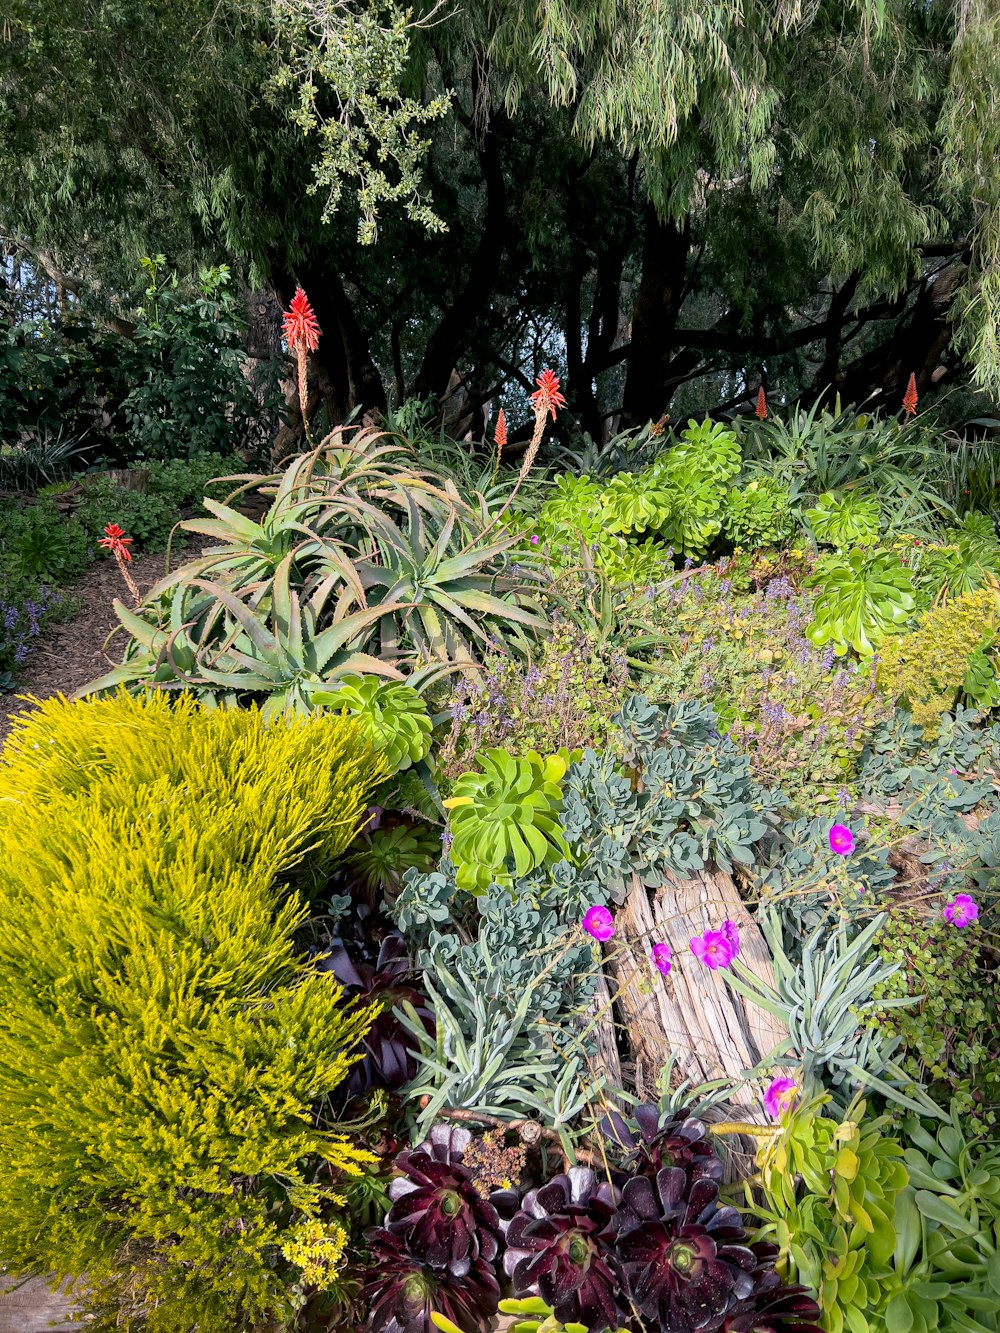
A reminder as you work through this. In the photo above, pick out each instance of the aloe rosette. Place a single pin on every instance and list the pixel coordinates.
(504, 821)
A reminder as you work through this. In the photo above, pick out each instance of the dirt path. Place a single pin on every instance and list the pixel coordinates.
(72, 652)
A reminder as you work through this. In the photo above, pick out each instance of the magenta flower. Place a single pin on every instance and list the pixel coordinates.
(660, 954)
(961, 911)
(599, 923)
(841, 840)
(533, 539)
(780, 1097)
(712, 949)
(730, 930)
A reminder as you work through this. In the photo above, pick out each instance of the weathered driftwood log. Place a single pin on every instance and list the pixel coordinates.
(691, 1014)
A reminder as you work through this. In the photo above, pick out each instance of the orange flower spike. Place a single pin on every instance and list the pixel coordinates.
(115, 541)
(547, 397)
(301, 332)
(910, 397)
(299, 325)
(500, 432)
(760, 411)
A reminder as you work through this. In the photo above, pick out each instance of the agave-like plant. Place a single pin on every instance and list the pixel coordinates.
(558, 1247)
(444, 588)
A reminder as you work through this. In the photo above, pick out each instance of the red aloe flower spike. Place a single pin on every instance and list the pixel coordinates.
(547, 397)
(760, 411)
(910, 397)
(115, 541)
(301, 332)
(500, 432)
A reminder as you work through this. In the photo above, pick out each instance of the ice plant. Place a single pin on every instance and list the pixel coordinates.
(712, 949)
(115, 541)
(910, 397)
(301, 332)
(599, 923)
(660, 954)
(841, 840)
(760, 411)
(780, 1097)
(961, 911)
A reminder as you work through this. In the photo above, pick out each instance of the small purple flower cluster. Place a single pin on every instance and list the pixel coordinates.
(20, 623)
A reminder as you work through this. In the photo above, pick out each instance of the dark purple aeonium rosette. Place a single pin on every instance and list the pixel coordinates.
(772, 1307)
(559, 1247)
(436, 1207)
(680, 1141)
(400, 1291)
(684, 1259)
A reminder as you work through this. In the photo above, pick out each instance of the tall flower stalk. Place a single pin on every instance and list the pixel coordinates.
(302, 333)
(115, 541)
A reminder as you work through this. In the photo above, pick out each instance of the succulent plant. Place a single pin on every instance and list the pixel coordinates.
(845, 519)
(771, 1306)
(402, 1290)
(684, 1258)
(378, 858)
(680, 1141)
(388, 1061)
(508, 813)
(535, 1316)
(393, 715)
(558, 1246)
(437, 1208)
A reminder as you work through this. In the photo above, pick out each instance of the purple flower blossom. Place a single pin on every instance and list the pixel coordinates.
(599, 923)
(730, 931)
(961, 911)
(841, 840)
(712, 949)
(780, 1097)
(661, 956)
(534, 539)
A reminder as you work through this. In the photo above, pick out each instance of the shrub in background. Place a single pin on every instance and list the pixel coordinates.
(931, 668)
(163, 1046)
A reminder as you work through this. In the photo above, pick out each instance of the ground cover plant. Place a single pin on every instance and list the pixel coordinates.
(565, 895)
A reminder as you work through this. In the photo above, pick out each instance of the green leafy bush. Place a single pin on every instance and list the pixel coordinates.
(164, 1045)
(800, 716)
(845, 519)
(835, 1232)
(39, 544)
(945, 658)
(863, 596)
(758, 513)
(948, 1031)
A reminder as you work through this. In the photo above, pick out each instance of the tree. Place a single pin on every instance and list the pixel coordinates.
(658, 197)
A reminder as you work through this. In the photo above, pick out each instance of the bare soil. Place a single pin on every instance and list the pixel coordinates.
(74, 651)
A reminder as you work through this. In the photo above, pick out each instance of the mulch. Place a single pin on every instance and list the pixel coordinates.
(72, 652)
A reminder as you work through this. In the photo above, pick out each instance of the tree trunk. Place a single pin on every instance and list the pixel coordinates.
(692, 1014)
(657, 305)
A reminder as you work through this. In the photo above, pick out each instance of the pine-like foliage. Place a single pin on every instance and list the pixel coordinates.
(162, 1044)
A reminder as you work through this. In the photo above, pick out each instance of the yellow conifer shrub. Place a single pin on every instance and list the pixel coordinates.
(926, 668)
(164, 1047)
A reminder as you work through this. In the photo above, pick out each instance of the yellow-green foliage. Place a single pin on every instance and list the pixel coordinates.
(926, 668)
(163, 1045)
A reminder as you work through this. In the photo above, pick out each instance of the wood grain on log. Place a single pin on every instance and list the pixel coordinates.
(692, 1014)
